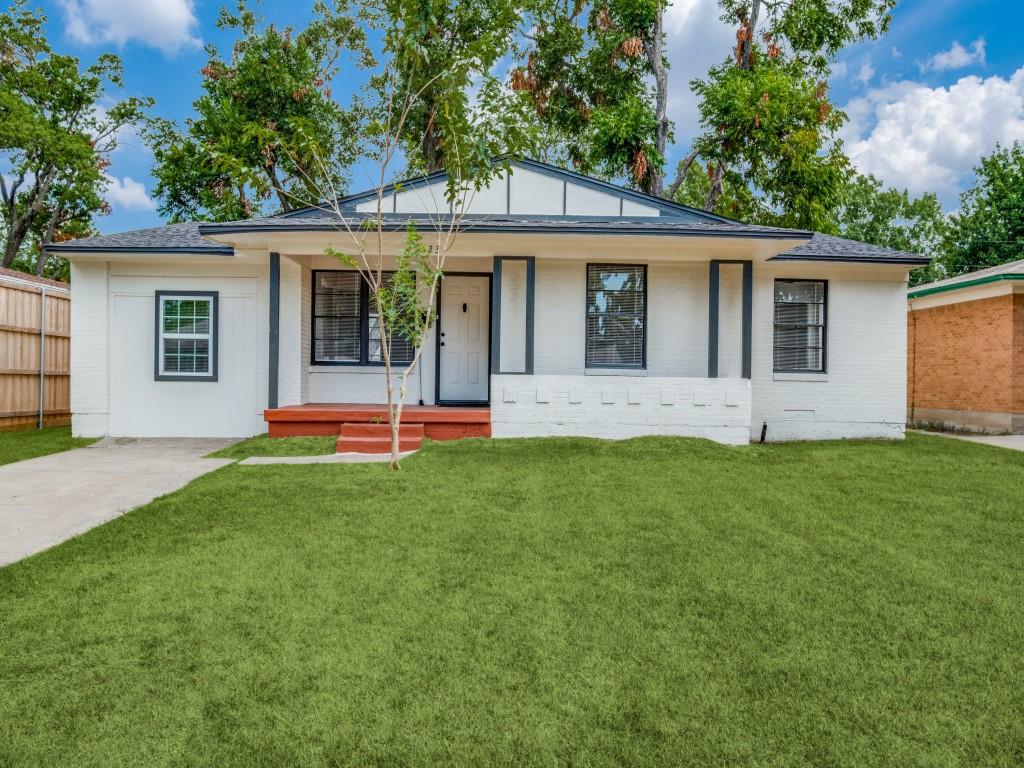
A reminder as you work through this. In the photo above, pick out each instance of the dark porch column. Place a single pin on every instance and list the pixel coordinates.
(748, 314)
(274, 345)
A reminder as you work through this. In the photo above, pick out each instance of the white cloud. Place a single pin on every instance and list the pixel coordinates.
(696, 39)
(957, 57)
(865, 73)
(128, 194)
(929, 139)
(163, 24)
(896, 53)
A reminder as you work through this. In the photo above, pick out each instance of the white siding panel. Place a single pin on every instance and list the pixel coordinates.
(632, 208)
(513, 316)
(370, 206)
(585, 201)
(233, 405)
(291, 365)
(426, 198)
(535, 193)
(730, 320)
(491, 200)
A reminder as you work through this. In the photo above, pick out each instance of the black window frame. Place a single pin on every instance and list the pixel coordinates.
(364, 324)
(586, 318)
(214, 297)
(823, 325)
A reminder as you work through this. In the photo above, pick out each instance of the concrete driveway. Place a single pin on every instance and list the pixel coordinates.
(46, 500)
(1012, 442)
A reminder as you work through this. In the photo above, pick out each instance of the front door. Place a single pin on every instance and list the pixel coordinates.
(465, 335)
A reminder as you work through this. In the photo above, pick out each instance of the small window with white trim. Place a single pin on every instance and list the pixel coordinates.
(186, 336)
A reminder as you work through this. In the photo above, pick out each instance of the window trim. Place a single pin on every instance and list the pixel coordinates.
(158, 340)
(595, 368)
(364, 325)
(824, 327)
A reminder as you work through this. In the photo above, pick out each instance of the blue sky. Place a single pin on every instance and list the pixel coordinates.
(925, 102)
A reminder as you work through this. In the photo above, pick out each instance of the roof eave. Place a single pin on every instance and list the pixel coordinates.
(212, 230)
(909, 261)
(925, 290)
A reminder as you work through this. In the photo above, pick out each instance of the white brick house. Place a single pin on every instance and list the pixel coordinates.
(570, 307)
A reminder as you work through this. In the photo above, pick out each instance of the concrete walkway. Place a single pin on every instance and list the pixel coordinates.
(1012, 442)
(327, 458)
(46, 500)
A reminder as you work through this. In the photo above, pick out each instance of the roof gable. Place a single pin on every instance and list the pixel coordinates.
(532, 190)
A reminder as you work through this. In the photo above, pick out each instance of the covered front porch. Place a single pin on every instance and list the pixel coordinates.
(536, 345)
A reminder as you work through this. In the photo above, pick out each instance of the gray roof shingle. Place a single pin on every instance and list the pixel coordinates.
(171, 238)
(188, 237)
(648, 225)
(828, 247)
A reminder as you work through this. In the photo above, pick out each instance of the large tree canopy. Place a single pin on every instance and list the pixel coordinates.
(871, 213)
(597, 76)
(765, 114)
(267, 132)
(54, 138)
(989, 229)
(443, 53)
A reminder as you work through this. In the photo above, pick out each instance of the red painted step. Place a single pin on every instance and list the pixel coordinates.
(375, 444)
(350, 429)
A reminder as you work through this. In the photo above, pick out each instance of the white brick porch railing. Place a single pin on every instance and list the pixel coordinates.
(617, 407)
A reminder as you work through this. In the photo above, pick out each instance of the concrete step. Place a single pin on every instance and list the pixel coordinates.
(364, 429)
(376, 444)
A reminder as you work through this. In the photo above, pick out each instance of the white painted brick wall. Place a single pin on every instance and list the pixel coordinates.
(617, 407)
(291, 366)
(90, 405)
(863, 393)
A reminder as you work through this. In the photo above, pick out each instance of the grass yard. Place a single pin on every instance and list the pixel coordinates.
(656, 602)
(29, 443)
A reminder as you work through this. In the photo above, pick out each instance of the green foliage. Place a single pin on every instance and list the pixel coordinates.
(891, 218)
(267, 133)
(401, 301)
(440, 52)
(765, 114)
(587, 75)
(56, 132)
(989, 229)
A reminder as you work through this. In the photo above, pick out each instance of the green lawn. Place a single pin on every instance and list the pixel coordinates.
(27, 444)
(278, 446)
(539, 603)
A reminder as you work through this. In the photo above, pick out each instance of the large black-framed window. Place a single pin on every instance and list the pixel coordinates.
(186, 336)
(345, 327)
(616, 316)
(801, 317)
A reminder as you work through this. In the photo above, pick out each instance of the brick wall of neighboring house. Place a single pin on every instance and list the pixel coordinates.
(967, 356)
(1018, 353)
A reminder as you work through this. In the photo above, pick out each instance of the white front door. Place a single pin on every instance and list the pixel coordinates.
(465, 331)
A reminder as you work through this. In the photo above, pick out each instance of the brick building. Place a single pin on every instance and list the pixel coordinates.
(965, 350)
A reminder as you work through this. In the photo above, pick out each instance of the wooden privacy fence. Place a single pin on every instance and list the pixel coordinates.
(35, 351)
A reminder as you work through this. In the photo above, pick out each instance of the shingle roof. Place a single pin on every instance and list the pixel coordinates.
(647, 225)
(1010, 269)
(188, 237)
(829, 247)
(171, 238)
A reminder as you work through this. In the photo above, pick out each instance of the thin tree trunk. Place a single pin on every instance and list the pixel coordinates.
(282, 196)
(656, 175)
(716, 188)
(681, 176)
